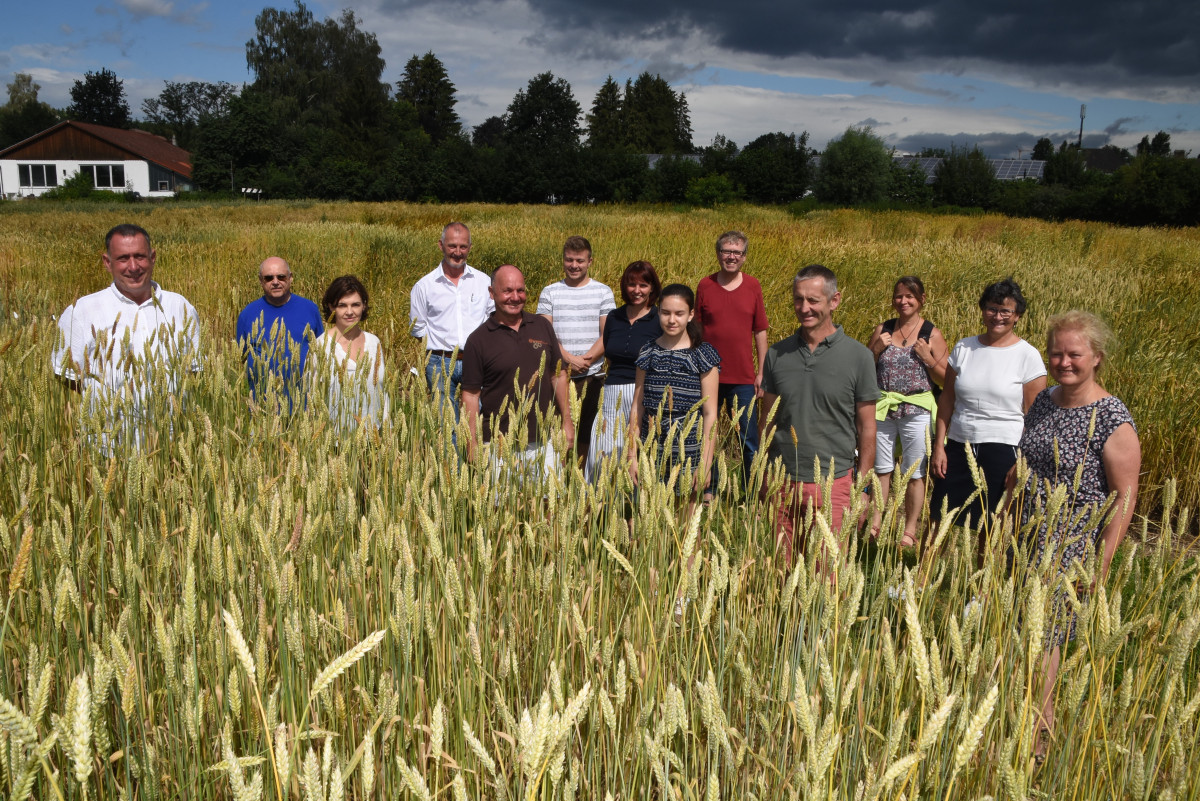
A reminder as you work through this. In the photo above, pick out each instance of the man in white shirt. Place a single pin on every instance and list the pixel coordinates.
(124, 346)
(445, 306)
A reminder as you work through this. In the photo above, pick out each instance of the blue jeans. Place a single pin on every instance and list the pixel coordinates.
(437, 370)
(747, 424)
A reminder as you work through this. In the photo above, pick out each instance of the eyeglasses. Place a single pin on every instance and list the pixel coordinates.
(727, 252)
(266, 279)
(999, 313)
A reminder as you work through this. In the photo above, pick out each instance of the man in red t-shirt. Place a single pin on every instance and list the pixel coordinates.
(731, 310)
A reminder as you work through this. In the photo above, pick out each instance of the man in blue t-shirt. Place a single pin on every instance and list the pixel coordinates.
(275, 330)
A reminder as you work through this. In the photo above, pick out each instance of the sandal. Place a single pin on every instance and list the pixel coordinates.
(1041, 745)
(908, 540)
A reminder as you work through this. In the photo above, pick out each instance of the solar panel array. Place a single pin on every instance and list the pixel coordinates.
(1016, 169)
(1004, 169)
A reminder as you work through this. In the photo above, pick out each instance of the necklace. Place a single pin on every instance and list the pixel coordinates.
(904, 337)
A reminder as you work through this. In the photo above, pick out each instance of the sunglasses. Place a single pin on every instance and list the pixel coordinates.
(266, 279)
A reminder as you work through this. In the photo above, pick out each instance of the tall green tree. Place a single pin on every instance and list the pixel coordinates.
(427, 87)
(99, 97)
(605, 123)
(541, 143)
(239, 148)
(1152, 190)
(1042, 150)
(325, 71)
(1066, 167)
(720, 156)
(489, 133)
(545, 114)
(323, 121)
(856, 168)
(1159, 146)
(966, 178)
(656, 118)
(24, 115)
(181, 106)
(774, 168)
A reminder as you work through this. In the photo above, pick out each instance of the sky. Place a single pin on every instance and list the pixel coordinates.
(997, 74)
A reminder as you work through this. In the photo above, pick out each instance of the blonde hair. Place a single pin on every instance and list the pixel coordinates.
(1099, 336)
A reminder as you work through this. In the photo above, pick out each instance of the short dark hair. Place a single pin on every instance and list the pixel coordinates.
(914, 284)
(695, 331)
(126, 229)
(1001, 291)
(577, 244)
(818, 271)
(641, 271)
(342, 286)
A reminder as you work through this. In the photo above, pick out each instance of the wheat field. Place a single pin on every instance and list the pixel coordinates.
(259, 607)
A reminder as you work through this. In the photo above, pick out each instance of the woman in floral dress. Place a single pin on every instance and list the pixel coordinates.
(1082, 438)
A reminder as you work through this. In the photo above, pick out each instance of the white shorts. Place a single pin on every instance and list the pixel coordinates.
(911, 431)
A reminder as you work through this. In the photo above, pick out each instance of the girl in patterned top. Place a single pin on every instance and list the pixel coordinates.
(676, 373)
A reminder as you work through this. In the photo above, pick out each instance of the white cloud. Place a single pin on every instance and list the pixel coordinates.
(166, 9)
(148, 8)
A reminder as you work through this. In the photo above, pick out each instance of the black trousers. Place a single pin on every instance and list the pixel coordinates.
(995, 459)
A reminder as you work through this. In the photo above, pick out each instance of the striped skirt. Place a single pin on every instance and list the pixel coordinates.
(609, 430)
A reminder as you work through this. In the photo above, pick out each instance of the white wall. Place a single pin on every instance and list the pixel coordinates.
(137, 176)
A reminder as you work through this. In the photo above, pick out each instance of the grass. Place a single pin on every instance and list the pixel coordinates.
(263, 607)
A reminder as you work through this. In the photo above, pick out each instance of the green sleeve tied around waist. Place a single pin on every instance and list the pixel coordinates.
(890, 400)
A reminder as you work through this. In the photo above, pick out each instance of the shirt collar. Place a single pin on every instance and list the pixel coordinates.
(468, 272)
(495, 325)
(122, 298)
(827, 342)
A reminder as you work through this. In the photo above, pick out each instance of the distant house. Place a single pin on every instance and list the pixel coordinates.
(115, 158)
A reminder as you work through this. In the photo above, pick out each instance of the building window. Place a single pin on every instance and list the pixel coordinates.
(105, 176)
(164, 186)
(37, 176)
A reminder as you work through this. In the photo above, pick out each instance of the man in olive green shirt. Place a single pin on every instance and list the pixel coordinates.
(825, 383)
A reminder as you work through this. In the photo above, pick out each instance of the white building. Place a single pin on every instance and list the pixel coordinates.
(115, 158)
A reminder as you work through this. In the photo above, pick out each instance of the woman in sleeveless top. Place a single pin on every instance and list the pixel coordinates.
(910, 364)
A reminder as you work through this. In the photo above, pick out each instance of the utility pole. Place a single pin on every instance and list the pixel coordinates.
(1082, 114)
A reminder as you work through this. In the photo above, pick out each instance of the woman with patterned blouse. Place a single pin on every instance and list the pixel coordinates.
(1080, 438)
(910, 363)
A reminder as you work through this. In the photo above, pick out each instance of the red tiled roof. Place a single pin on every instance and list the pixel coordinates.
(140, 144)
(143, 144)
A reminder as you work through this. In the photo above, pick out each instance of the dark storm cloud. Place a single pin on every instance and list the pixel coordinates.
(1119, 41)
(1121, 125)
(993, 145)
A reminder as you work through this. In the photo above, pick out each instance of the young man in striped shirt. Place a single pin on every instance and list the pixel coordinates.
(577, 307)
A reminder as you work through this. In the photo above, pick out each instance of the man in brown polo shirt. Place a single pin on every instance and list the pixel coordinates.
(513, 347)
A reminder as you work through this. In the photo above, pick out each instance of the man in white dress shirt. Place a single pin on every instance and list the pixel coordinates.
(123, 347)
(445, 306)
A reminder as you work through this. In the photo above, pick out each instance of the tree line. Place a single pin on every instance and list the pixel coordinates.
(319, 121)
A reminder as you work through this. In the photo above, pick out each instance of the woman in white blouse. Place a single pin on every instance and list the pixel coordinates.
(991, 381)
(351, 356)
